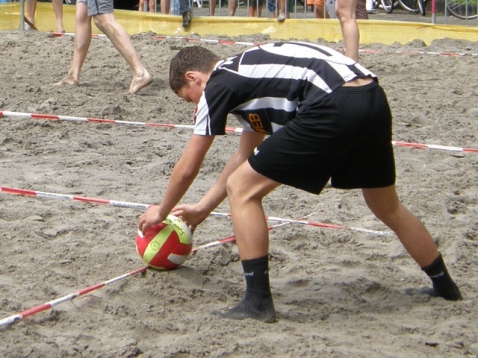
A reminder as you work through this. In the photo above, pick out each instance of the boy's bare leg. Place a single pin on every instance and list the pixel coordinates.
(414, 236)
(411, 232)
(248, 219)
(232, 7)
(165, 6)
(212, 7)
(282, 10)
(83, 34)
(320, 12)
(152, 6)
(246, 188)
(31, 7)
(345, 10)
(58, 10)
(121, 40)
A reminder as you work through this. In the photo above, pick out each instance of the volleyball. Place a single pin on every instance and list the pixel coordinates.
(165, 246)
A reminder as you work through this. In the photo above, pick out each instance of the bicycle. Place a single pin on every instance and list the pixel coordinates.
(413, 6)
(463, 9)
(381, 4)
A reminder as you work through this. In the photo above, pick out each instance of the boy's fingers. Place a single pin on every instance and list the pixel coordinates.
(142, 226)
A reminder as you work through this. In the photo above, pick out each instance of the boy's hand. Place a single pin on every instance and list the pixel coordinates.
(192, 215)
(150, 217)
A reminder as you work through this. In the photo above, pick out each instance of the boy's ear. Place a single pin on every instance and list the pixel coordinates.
(191, 76)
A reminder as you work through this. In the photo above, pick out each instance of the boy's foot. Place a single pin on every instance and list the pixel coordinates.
(67, 80)
(281, 17)
(140, 82)
(187, 16)
(451, 295)
(28, 25)
(265, 313)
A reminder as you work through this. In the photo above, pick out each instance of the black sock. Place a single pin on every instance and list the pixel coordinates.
(257, 302)
(443, 285)
(256, 274)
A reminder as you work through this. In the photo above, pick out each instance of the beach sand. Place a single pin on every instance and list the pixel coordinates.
(339, 292)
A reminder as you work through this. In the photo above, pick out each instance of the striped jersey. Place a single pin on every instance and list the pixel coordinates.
(268, 85)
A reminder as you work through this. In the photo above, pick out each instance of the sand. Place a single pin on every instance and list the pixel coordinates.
(338, 292)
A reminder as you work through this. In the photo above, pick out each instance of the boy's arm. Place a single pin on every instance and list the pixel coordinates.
(195, 214)
(183, 175)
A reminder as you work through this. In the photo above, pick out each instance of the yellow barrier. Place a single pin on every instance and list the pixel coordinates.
(134, 22)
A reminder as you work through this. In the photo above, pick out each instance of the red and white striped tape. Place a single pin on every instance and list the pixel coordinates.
(45, 306)
(52, 117)
(434, 146)
(233, 238)
(194, 39)
(232, 42)
(42, 194)
(182, 38)
(61, 34)
(317, 224)
(126, 204)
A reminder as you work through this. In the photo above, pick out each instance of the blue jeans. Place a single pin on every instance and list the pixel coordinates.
(183, 6)
(175, 7)
(271, 5)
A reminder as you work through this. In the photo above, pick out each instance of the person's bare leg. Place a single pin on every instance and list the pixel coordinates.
(58, 10)
(141, 5)
(320, 12)
(31, 7)
(245, 189)
(152, 6)
(82, 44)
(411, 232)
(121, 40)
(414, 236)
(165, 6)
(212, 7)
(282, 10)
(345, 10)
(232, 7)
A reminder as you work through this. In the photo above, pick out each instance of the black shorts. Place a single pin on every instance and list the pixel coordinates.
(345, 136)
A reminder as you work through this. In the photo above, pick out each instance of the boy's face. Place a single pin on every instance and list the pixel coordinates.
(190, 93)
(196, 83)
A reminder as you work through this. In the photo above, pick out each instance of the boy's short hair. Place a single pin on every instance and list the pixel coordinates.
(192, 58)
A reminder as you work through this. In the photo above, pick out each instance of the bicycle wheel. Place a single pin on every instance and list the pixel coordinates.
(422, 5)
(387, 5)
(463, 9)
(409, 5)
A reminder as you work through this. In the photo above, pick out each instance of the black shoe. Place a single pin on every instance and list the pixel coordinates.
(187, 16)
(264, 312)
(452, 295)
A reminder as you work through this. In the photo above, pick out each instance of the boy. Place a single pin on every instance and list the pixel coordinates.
(326, 117)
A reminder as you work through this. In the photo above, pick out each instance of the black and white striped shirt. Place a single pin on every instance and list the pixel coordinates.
(265, 86)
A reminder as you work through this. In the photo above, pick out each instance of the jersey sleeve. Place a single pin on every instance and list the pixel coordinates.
(216, 102)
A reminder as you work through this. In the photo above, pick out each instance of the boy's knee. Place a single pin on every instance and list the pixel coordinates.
(229, 187)
(239, 191)
(232, 189)
(101, 22)
(98, 22)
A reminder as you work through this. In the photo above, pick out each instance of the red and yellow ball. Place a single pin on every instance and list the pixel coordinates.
(165, 246)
